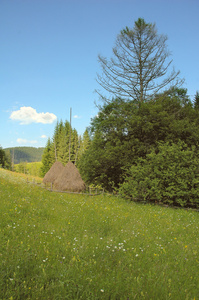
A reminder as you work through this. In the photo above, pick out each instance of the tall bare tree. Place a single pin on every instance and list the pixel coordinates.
(139, 66)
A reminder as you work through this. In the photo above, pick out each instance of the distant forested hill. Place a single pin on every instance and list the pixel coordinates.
(25, 154)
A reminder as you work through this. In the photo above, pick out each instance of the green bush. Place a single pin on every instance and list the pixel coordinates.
(33, 168)
(170, 176)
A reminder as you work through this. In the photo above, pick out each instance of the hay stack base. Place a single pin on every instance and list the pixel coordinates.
(69, 180)
(53, 173)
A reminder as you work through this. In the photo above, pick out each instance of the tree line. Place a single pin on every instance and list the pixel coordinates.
(25, 154)
(66, 145)
(19, 155)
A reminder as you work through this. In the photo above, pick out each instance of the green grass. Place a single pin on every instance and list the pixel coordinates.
(63, 246)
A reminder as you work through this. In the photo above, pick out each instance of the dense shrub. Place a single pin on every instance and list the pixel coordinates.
(170, 176)
(122, 132)
(33, 168)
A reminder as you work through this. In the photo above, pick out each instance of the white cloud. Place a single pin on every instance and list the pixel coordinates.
(76, 117)
(24, 141)
(43, 136)
(28, 115)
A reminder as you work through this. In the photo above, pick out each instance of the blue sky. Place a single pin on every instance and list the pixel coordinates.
(48, 58)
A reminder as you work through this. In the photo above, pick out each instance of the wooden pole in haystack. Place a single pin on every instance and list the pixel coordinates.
(70, 133)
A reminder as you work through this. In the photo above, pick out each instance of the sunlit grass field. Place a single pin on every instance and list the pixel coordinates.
(66, 246)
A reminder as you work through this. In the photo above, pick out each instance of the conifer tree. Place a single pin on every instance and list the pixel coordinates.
(58, 148)
(84, 144)
(139, 66)
(196, 100)
(47, 158)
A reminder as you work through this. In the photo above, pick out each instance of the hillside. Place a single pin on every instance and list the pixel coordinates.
(69, 246)
(25, 154)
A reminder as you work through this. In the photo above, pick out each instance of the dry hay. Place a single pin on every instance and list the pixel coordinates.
(53, 173)
(69, 179)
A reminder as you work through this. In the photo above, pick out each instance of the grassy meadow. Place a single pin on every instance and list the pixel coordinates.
(67, 246)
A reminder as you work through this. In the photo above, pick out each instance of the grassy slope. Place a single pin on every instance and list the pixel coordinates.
(61, 246)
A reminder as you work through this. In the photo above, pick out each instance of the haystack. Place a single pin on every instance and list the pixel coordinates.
(53, 173)
(69, 179)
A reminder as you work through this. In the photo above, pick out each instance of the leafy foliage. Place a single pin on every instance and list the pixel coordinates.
(5, 159)
(123, 132)
(33, 168)
(170, 176)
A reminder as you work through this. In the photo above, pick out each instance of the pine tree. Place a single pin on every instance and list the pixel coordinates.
(84, 144)
(74, 145)
(196, 100)
(47, 158)
(58, 149)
